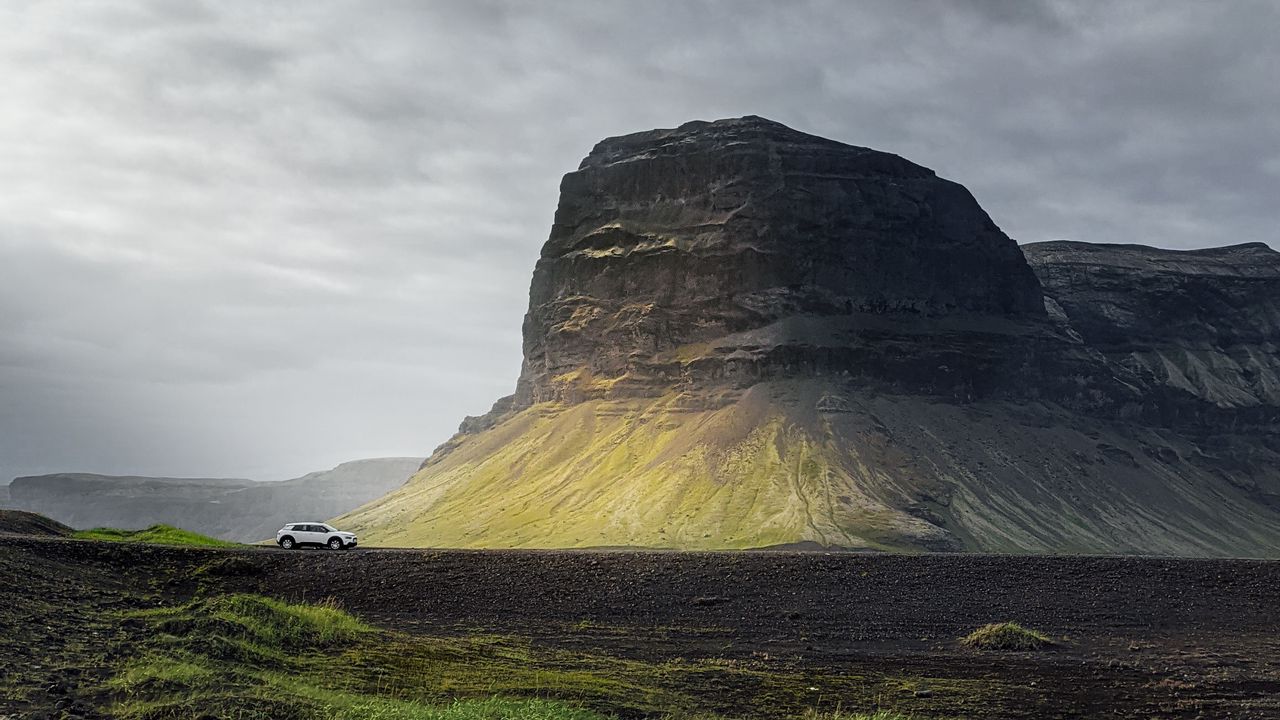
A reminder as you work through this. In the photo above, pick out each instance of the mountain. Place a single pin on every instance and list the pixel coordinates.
(740, 335)
(231, 509)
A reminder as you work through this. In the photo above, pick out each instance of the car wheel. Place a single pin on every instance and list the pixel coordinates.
(286, 543)
(335, 544)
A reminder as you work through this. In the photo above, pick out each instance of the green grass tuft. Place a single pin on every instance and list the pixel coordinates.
(840, 715)
(157, 534)
(1006, 636)
(270, 625)
(490, 709)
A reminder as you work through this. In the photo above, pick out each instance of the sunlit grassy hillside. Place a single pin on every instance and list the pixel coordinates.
(651, 474)
(769, 468)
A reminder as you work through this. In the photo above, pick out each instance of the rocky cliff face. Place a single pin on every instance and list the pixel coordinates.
(1205, 322)
(671, 248)
(231, 509)
(740, 335)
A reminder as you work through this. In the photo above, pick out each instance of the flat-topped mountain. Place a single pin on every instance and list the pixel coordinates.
(231, 509)
(672, 239)
(740, 335)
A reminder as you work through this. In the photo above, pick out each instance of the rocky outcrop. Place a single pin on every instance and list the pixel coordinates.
(1205, 323)
(230, 509)
(740, 335)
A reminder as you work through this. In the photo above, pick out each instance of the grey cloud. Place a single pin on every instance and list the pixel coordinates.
(258, 238)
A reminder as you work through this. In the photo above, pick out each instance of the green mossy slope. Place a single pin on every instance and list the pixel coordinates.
(158, 534)
(769, 469)
(652, 475)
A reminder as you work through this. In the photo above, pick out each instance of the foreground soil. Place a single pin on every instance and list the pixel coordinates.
(1134, 637)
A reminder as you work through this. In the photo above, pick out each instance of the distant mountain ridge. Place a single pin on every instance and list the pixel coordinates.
(227, 508)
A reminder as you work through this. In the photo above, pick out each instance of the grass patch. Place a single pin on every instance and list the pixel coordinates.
(270, 624)
(158, 534)
(246, 657)
(490, 709)
(161, 673)
(1006, 636)
(839, 715)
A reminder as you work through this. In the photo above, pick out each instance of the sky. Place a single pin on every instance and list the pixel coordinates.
(256, 239)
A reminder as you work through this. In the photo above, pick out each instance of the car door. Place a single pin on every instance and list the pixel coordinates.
(301, 533)
(316, 534)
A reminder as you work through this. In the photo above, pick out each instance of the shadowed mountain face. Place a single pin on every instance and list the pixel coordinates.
(740, 335)
(1203, 322)
(230, 509)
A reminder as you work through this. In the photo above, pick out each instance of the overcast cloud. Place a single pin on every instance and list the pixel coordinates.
(259, 238)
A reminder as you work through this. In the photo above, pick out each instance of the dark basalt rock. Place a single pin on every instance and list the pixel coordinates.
(1199, 323)
(673, 238)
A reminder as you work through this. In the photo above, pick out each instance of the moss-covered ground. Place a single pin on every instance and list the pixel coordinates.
(245, 656)
(158, 534)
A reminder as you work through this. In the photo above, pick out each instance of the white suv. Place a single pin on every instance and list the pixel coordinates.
(314, 533)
